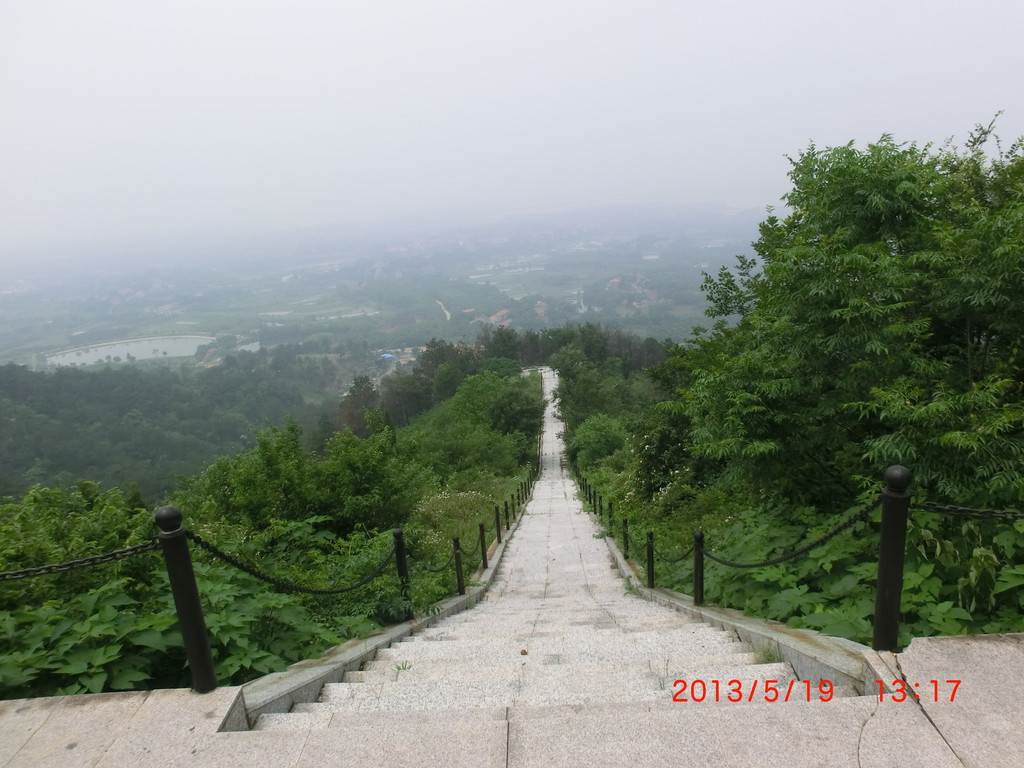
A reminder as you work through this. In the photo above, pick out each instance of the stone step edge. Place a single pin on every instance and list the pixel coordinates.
(302, 681)
(317, 716)
(814, 656)
(424, 669)
(404, 694)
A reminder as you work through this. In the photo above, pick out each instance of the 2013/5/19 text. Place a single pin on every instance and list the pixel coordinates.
(736, 691)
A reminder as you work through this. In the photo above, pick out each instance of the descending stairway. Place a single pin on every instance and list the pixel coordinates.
(559, 639)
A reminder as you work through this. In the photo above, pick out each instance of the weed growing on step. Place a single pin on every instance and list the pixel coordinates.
(767, 654)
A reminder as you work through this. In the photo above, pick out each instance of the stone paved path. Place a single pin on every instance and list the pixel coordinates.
(557, 629)
(558, 666)
(559, 658)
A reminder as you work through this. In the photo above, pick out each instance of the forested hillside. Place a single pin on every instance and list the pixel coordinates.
(143, 427)
(319, 518)
(431, 448)
(881, 323)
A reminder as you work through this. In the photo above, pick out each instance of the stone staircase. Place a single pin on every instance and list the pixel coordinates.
(560, 656)
(559, 665)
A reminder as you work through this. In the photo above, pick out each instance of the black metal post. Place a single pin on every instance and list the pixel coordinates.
(625, 538)
(611, 516)
(508, 525)
(698, 567)
(600, 505)
(650, 559)
(891, 543)
(174, 544)
(402, 566)
(483, 547)
(458, 566)
(497, 521)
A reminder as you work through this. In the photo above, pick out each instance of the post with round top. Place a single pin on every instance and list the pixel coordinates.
(650, 559)
(508, 525)
(459, 578)
(483, 547)
(497, 521)
(403, 569)
(891, 543)
(174, 545)
(698, 567)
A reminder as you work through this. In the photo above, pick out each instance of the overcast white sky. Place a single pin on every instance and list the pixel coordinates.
(203, 117)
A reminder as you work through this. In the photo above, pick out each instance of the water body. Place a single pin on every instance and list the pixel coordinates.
(149, 348)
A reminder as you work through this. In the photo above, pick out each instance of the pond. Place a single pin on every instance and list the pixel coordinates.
(148, 348)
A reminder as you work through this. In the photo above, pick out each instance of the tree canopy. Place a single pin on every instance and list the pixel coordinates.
(882, 325)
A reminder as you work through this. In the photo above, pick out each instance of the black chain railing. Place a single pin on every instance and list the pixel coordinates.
(895, 503)
(443, 568)
(282, 584)
(672, 561)
(859, 516)
(1004, 515)
(173, 542)
(82, 562)
(473, 552)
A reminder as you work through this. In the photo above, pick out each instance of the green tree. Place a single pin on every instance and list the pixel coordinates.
(883, 327)
(599, 436)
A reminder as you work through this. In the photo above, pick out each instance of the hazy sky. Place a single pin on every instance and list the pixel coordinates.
(203, 118)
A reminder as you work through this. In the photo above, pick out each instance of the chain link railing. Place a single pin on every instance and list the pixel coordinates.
(443, 568)
(282, 584)
(82, 562)
(672, 561)
(173, 542)
(895, 504)
(473, 552)
(859, 516)
(1004, 515)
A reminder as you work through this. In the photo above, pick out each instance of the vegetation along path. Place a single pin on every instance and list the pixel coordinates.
(560, 665)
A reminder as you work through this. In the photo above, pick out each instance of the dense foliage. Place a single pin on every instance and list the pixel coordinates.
(147, 425)
(320, 518)
(884, 326)
(880, 324)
